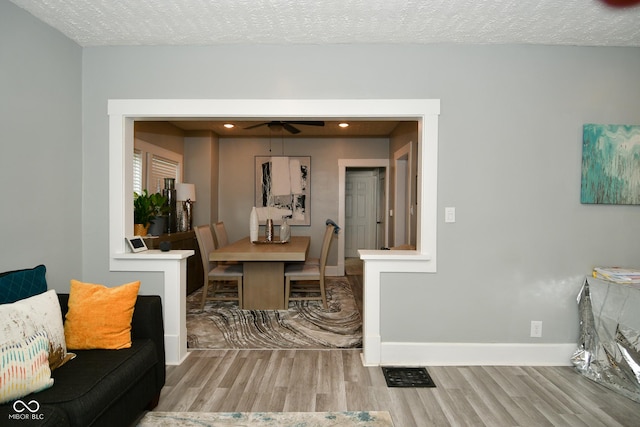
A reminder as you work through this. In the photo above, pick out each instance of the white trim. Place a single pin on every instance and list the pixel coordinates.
(376, 263)
(476, 354)
(122, 114)
(174, 266)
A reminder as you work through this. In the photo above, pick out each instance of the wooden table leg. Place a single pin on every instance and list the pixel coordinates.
(263, 285)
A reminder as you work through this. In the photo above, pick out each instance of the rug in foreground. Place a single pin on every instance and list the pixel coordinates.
(305, 325)
(267, 419)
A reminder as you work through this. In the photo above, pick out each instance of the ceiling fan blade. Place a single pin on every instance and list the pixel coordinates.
(289, 128)
(309, 123)
(255, 126)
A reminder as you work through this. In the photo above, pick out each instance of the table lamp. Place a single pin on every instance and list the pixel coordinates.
(186, 193)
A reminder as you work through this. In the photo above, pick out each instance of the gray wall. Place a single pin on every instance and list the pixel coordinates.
(41, 164)
(509, 161)
(201, 169)
(162, 134)
(237, 180)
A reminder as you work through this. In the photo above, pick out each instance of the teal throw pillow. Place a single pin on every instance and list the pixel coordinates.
(21, 284)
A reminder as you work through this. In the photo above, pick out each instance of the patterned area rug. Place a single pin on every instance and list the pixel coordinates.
(267, 419)
(305, 325)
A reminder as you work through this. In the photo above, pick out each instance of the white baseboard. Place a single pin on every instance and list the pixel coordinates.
(474, 354)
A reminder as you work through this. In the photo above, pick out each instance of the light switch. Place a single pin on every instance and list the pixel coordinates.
(449, 214)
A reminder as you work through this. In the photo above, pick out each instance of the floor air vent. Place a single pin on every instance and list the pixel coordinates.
(407, 377)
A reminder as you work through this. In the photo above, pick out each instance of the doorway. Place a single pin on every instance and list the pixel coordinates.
(364, 209)
(382, 198)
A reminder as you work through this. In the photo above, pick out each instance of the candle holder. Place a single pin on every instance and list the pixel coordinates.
(186, 193)
(269, 230)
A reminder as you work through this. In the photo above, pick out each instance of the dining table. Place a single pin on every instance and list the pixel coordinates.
(263, 268)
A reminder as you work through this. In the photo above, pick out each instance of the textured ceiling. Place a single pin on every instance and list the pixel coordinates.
(207, 22)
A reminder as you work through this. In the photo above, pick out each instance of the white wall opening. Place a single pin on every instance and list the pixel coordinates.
(123, 113)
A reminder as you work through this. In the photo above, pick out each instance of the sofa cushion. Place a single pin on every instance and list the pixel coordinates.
(88, 386)
(28, 316)
(19, 284)
(100, 317)
(24, 367)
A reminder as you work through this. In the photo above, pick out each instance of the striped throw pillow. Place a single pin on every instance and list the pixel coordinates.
(24, 367)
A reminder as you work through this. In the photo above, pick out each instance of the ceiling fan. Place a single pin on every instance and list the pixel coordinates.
(276, 125)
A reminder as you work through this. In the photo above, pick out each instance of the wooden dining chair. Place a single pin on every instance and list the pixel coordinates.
(224, 278)
(221, 234)
(308, 279)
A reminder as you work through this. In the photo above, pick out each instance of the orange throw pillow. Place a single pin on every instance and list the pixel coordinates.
(100, 317)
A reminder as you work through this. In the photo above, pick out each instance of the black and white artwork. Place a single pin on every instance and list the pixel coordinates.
(283, 188)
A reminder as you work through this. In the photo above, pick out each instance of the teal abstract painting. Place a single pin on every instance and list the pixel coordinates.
(610, 164)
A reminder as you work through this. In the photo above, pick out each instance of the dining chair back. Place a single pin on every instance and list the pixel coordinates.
(307, 281)
(226, 280)
(221, 234)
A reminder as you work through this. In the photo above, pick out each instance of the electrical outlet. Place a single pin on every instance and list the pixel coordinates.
(536, 328)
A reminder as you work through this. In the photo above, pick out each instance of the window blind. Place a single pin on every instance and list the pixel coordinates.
(137, 171)
(161, 168)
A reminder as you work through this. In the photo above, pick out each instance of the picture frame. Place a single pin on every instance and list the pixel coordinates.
(610, 164)
(283, 189)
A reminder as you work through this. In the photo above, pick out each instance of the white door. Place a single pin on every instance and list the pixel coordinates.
(360, 211)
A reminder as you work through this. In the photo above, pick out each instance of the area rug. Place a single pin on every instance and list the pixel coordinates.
(267, 419)
(305, 325)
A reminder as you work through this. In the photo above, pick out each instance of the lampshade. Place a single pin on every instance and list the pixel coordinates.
(185, 191)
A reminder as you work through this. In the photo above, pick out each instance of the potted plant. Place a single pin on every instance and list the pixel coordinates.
(160, 209)
(143, 213)
(146, 209)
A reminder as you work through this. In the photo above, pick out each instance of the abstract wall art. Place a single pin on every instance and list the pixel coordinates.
(610, 164)
(283, 189)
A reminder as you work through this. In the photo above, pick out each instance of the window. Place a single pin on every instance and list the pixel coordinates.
(137, 171)
(161, 168)
(152, 164)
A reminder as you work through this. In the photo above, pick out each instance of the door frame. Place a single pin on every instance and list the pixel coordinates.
(402, 183)
(343, 164)
(121, 116)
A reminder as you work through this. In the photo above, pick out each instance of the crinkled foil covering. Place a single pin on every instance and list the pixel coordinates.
(609, 344)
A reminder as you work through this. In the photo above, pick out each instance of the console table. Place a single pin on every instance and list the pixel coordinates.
(180, 241)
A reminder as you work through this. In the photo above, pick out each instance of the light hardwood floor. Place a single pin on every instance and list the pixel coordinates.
(335, 380)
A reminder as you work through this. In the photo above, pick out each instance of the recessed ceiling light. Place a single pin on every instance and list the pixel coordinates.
(229, 125)
(344, 125)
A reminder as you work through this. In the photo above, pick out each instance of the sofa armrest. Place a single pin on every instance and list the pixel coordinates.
(147, 323)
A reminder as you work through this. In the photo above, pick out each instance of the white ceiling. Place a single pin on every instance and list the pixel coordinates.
(210, 22)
